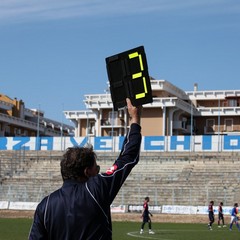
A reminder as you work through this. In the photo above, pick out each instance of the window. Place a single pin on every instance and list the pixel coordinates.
(17, 131)
(228, 124)
(112, 133)
(232, 102)
(92, 127)
(112, 117)
(210, 124)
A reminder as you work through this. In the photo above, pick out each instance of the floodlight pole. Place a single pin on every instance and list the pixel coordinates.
(218, 125)
(112, 128)
(62, 128)
(87, 128)
(191, 142)
(38, 130)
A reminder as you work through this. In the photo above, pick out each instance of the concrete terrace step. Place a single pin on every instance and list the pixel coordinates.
(168, 178)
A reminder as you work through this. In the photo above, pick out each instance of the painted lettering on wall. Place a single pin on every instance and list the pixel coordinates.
(114, 144)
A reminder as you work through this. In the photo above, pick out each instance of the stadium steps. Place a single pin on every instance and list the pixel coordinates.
(168, 178)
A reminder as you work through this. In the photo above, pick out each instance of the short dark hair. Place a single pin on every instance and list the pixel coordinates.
(75, 160)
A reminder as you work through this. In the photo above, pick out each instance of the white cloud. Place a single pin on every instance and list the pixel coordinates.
(35, 10)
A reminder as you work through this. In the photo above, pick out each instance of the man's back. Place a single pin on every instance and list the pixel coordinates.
(81, 208)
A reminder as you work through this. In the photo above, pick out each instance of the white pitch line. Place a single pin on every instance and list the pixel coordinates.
(137, 235)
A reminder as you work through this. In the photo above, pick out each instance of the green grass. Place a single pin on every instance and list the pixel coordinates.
(173, 231)
(18, 229)
(14, 229)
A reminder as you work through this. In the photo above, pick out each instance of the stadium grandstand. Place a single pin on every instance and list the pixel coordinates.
(168, 178)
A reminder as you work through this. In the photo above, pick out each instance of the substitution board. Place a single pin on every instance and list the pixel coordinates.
(128, 77)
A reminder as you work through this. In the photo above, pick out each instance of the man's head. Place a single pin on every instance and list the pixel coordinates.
(147, 199)
(79, 163)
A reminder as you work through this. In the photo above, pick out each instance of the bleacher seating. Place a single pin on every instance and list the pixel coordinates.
(167, 178)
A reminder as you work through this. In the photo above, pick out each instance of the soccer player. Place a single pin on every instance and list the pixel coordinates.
(145, 216)
(234, 217)
(210, 214)
(80, 209)
(220, 215)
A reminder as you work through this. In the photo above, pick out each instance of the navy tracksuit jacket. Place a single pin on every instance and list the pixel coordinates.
(81, 211)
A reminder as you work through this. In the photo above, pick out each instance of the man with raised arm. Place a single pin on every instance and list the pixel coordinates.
(80, 209)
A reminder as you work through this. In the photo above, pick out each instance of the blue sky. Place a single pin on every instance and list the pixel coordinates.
(52, 52)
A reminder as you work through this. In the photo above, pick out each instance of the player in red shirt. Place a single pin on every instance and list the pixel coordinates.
(145, 216)
(210, 214)
(220, 215)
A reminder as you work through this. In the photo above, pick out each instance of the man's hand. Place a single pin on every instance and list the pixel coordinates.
(134, 112)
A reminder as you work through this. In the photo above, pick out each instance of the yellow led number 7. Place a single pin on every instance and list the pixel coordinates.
(139, 74)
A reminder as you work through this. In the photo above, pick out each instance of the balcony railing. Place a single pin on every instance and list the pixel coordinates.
(221, 129)
(116, 123)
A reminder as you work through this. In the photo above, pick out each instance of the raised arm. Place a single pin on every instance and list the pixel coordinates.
(129, 155)
(134, 112)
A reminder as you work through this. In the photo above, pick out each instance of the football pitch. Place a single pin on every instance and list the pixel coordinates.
(18, 229)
